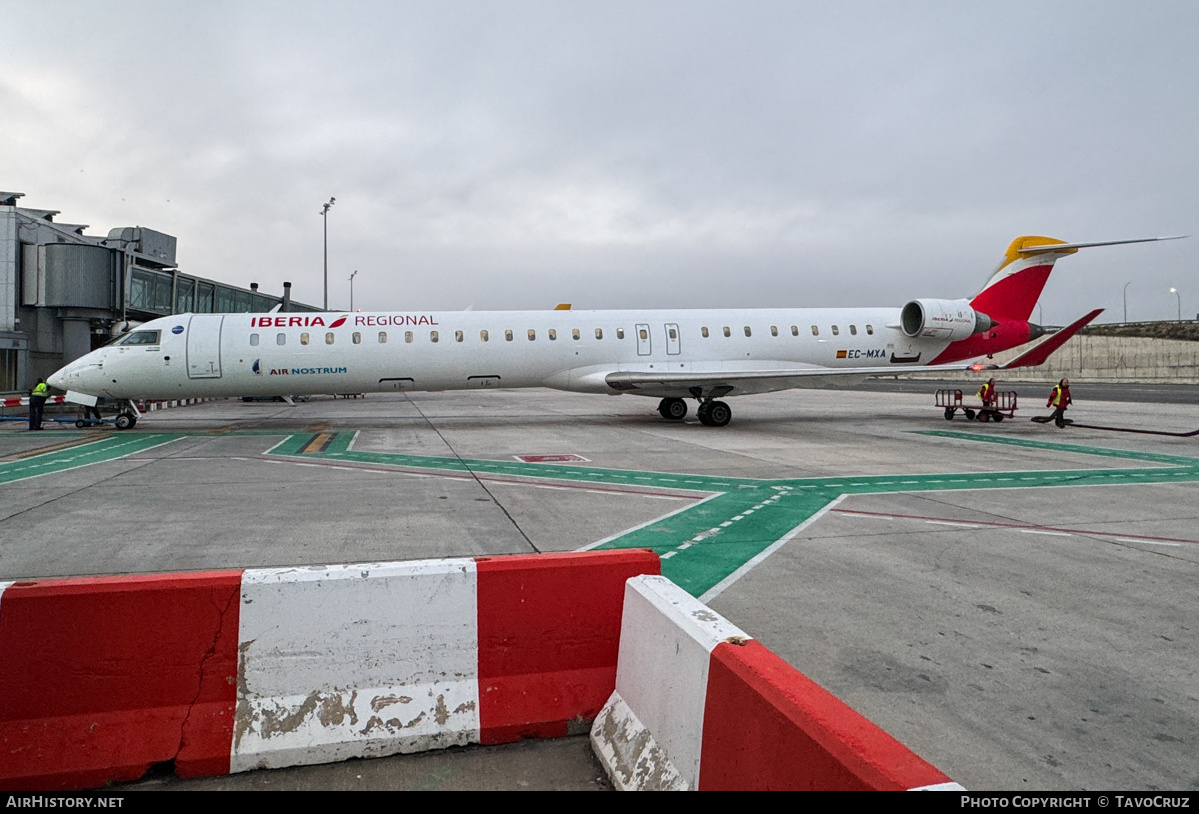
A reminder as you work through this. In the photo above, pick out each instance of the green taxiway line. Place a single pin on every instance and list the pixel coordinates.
(337, 450)
(705, 543)
(108, 448)
(1177, 460)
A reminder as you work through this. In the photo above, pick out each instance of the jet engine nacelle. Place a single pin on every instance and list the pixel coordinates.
(951, 320)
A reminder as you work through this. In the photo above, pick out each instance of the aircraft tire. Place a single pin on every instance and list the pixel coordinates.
(719, 414)
(126, 421)
(673, 409)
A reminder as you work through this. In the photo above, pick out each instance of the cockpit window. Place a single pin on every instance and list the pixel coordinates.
(139, 338)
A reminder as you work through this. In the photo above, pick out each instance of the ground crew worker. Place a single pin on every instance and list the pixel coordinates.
(92, 412)
(987, 396)
(37, 403)
(1059, 400)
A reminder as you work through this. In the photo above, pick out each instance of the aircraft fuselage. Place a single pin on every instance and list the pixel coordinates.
(208, 355)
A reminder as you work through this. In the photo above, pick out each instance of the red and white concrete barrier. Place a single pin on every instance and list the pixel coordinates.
(23, 401)
(219, 672)
(700, 705)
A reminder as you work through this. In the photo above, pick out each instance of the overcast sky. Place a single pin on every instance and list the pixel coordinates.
(501, 155)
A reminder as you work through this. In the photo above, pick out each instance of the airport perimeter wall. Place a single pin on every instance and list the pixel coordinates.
(1107, 359)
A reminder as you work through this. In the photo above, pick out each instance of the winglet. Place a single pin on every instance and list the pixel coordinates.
(1037, 354)
(562, 306)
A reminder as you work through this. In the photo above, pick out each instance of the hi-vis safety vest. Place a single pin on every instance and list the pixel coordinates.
(41, 390)
(984, 393)
(1055, 398)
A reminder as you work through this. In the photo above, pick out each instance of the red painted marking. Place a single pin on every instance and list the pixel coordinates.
(768, 726)
(990, 524)
(531, 480)
(549, 635)
(568, 457)
(102, 677)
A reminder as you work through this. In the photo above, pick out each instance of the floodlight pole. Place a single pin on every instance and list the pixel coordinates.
(1174, 291)
(325, 217)
(1126, 285)
(352, 276)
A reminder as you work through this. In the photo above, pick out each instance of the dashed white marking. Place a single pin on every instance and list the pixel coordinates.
(1147, 542)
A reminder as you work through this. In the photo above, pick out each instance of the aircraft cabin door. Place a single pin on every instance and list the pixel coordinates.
(204, 346)
(672, 339)
(643, 340)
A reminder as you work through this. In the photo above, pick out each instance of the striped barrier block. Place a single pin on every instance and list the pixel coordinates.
(218, 672)
(23, 401)
(700, 705)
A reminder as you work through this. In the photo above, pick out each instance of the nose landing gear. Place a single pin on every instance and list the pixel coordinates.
(127, 418)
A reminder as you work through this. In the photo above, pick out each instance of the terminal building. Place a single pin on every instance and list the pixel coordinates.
(64, 293)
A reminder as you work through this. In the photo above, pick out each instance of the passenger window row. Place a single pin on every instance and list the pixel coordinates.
(509, 335)
(434, 336)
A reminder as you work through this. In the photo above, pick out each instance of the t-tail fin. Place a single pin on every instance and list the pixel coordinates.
(1014, 288)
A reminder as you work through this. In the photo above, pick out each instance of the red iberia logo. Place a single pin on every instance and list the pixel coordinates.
(296, 322)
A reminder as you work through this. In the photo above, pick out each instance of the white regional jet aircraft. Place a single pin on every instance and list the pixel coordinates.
(706, 355)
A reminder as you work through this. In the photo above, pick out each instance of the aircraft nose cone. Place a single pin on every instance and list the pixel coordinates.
(58, 379)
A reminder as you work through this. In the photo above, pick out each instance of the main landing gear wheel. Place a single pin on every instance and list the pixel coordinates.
(673, 409)
(714, 414)
(126, 421)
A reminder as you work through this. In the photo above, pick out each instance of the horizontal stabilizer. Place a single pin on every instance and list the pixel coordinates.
(1060, 247)
(1038, 353)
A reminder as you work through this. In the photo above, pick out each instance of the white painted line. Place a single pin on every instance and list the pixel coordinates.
(1042, 531)
(1147, 542)
(640, 526)
(668, 555)
(281, 443)
(719, 588)
(958, 525)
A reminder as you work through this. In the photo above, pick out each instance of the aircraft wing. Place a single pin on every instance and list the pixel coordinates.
(770, 379)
